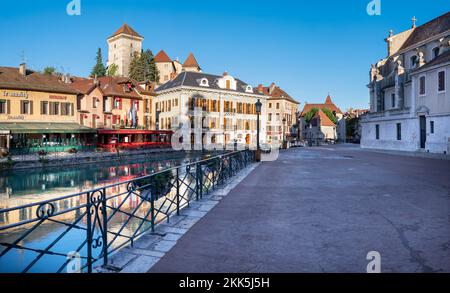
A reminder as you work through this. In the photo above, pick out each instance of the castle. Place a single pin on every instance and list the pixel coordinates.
(125, 42)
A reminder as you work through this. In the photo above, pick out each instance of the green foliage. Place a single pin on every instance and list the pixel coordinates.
(308, 116)
(112, 70)
(143, 67)
(99, 68)
(330, 115)
(49, 70)
(158, 184)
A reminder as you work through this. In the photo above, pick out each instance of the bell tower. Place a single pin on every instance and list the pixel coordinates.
(122, 45)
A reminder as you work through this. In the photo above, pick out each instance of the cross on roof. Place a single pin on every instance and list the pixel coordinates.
(414, 19)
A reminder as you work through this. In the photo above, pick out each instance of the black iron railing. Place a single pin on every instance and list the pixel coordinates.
(93, 224)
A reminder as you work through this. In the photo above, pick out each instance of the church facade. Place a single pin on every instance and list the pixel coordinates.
(409, 91)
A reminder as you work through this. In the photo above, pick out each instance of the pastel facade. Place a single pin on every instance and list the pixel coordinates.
(281, 113)
(37, 109)
(409, 91)
(227, 105)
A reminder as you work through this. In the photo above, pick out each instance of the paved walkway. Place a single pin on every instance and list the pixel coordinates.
(322, 210)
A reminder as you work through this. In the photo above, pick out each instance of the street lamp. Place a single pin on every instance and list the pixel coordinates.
(284, 133)
(258, 106)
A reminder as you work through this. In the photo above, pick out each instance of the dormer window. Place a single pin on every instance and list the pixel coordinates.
(249, 89)
(435, 52)
(204, 82)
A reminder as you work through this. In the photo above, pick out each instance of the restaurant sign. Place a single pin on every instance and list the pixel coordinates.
(15, 94)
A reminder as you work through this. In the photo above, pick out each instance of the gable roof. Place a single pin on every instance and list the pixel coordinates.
(277, 94)
(324, 120)
(126, 30)
(191, 61)
(162, 57)
(11, 78)
(192, 79)
(427, 30)
(83, 85)
(328, 104)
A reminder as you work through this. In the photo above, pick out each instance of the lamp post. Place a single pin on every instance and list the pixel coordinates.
(258, 106)
(284, 133)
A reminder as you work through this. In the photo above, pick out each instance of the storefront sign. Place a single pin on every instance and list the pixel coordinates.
(16, 117)
(15, 94)
(53, 97)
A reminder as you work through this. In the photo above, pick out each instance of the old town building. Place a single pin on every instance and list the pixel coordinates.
(168, 69)
(409, 91)
(38, 110)
(321, 126)
(122, 45)
(281, 113)
(227, 105)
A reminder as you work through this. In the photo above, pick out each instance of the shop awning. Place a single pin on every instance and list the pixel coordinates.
(44, 127)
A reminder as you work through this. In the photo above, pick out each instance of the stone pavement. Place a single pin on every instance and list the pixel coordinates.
(322, 210)
(150, 248)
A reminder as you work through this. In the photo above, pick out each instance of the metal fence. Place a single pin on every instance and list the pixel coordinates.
(95, 223)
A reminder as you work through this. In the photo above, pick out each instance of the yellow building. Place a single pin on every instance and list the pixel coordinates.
(281, 111)
(38, 110)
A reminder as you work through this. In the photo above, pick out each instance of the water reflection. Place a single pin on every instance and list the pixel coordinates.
(24, 187)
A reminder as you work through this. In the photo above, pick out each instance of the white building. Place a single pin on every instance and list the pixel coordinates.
(410, 91)
(227, 104)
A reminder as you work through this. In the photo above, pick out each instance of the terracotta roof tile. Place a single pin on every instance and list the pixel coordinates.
(190, 61)
(10, 78)
(126, 30)
(162, 57)
(324, 120)
(328, 104)
(277, 94)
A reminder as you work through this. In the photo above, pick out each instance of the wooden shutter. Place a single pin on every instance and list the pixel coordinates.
(31, 107)
(8, 107)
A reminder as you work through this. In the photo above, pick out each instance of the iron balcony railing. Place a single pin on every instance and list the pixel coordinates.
(44, 236)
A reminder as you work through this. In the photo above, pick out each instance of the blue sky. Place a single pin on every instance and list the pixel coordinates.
(309, 48)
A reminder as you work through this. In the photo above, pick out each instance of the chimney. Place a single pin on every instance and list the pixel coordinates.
(23, 69)
(225, 73)
(271, 88)
(95, 80)
(260, 88)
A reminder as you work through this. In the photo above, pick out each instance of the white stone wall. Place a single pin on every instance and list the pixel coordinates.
(439, 141)
(120, 52)
(410, 140)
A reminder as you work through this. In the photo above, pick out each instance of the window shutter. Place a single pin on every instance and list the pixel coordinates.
(8, 107)
(120, 104)
(71, 109)
(31, 107)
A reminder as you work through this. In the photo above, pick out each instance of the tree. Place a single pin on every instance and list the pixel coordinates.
(49, 70)
(99, 68)
(112, 70)
(143, 67)
(310, 114)
(330, 115)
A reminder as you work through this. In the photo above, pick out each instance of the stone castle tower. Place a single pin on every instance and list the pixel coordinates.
(121, 47)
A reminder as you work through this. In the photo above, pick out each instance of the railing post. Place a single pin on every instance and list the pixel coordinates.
(89, 232)
(178, 192)
(105, 228)
(200, 179)
(152, 210)
(197, 186)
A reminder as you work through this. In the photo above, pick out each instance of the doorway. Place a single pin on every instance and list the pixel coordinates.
(423, 131)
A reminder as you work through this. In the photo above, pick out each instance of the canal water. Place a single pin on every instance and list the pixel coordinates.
(29, 186)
